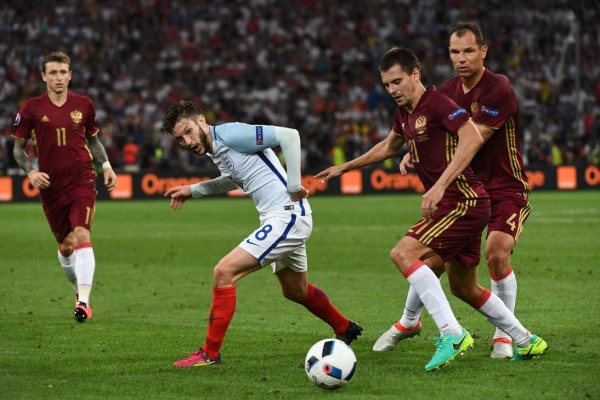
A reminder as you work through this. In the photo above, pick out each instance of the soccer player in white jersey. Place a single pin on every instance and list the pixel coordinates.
(243, 153)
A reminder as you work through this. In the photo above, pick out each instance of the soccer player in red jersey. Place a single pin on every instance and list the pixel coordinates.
(63, 129)
(442, 139)
(493, 105)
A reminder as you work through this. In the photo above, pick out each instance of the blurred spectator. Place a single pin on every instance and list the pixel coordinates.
(557, 155)
(307, 64)
(4, 162)
(130, 156)
(338, 155)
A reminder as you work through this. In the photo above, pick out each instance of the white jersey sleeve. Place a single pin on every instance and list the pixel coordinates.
(245, 138)
(248, 139)
(243, 153)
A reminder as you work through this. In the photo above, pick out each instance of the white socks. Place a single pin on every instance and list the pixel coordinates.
(430, 291)
(499, 315)
(412, 309)
(85, 265)
(68, 265)
(506, 290)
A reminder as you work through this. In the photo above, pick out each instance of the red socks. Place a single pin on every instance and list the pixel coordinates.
(221, 313)
(318, 303)
(223, 307)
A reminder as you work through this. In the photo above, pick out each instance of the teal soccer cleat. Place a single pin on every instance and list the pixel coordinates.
(448, 347)
(537, 347)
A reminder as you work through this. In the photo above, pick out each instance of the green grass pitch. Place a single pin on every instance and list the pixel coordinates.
(152, 293)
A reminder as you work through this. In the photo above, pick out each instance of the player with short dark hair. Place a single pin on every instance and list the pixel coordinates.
(243, 153)
(63, 128)
(491, 101)
(442, 139)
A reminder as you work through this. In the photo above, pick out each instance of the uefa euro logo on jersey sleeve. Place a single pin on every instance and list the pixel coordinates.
(17, 119)
(259, 135)
(456, 113)
(490, 111)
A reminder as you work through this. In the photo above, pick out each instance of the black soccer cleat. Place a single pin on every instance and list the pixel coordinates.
(352, 333)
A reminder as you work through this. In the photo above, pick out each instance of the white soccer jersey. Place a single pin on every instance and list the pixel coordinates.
(243, 153)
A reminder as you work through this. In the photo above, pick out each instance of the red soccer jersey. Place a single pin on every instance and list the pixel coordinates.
(492, 103)
(59, 135)
(430, 132)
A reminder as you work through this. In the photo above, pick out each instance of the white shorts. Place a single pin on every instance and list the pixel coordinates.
(280, 241)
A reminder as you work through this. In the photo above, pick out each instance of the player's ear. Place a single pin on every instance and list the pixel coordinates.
(416, 74)
(484, 50)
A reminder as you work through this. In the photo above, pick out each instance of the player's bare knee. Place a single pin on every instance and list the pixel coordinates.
(66, 249)
(222, 276)
(397, 256)
(402, 258)
(498, 261)
(81, 235)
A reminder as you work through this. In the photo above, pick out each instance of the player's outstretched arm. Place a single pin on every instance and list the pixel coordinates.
(179, 194)
(383, 150)
(331, 172)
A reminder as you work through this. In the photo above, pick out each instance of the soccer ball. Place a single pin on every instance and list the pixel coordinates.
(330, 364)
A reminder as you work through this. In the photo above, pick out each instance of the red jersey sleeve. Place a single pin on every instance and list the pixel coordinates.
(496, 104)
(451, 115)
(23, 124)
(91, 127)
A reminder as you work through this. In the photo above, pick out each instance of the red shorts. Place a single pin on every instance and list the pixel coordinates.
(66, 211)
(454, 230)
(509, 213)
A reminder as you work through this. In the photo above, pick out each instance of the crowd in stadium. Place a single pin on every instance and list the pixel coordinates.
(307, 64)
